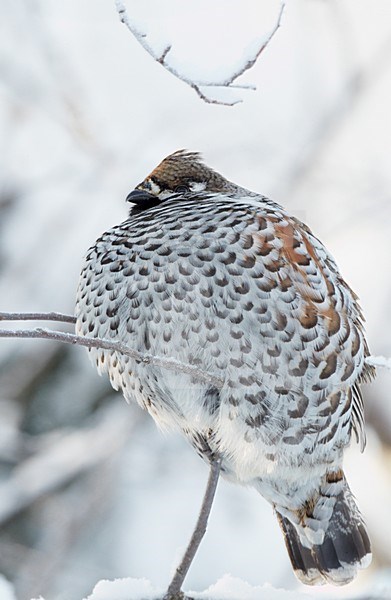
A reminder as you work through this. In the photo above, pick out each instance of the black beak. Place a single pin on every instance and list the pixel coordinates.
(141, 197)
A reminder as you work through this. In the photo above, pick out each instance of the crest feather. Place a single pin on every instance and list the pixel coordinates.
(180, 163)
(181, 157)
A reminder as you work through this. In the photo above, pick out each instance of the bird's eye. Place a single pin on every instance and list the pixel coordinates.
(181, 189)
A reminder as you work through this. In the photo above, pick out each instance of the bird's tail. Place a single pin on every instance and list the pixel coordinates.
(329, 543)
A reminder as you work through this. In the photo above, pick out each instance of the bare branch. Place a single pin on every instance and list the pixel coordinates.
(51, 316)
(147, 359)
(174, 589)
(247, 63)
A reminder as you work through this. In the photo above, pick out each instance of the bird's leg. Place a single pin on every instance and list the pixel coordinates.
(174, 589)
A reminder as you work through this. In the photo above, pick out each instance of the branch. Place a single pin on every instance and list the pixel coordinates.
(379, 361)
(166, 363)
(147, 359)
(52, 316)
(174, 589)
(227, 82)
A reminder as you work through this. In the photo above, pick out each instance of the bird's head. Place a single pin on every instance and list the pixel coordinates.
(179, 174)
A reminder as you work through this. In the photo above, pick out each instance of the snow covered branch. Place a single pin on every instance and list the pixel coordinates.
(379, 361)
(208, 90)
(88, 342)
(52, 316)
(70, 338)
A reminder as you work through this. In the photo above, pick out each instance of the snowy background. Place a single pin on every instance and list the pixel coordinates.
(89, 489)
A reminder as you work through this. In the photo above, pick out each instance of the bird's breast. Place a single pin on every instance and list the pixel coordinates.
(237, 293)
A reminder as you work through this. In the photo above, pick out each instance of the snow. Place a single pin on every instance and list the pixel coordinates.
(233, 588)
(379, 361)
(124, 589)
(226, 588)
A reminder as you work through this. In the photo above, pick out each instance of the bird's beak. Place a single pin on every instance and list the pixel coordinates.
(140, 197)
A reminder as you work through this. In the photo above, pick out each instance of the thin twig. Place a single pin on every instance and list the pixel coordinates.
(174, 589)
(251, 62)
(146, 359)
(51, 316)
(227, 82)
(379, 362)
(171, 364)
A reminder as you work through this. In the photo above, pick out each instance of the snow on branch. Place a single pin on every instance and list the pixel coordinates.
(379, 361)
(165, 363)
(209, 90)
(69, 338)
(52, 316)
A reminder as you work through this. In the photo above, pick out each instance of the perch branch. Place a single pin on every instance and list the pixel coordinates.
(105, 344)
(174, 589)
(379, 362)
(227, 82)
(166, 363)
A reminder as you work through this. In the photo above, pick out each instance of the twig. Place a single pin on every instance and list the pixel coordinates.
(251, 62)
(51, 316)
(146, 359)
(379, 361)
(174, 589)
(167, 363)
(69, 338)
(227, 82)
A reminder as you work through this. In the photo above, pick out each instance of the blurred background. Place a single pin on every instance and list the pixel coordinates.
(89, 489)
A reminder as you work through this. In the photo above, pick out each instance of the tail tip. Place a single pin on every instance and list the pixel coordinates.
(341, 575)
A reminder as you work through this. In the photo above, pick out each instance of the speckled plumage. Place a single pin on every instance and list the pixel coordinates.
(212, 275)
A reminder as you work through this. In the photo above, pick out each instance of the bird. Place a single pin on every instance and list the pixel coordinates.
(206, 273)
